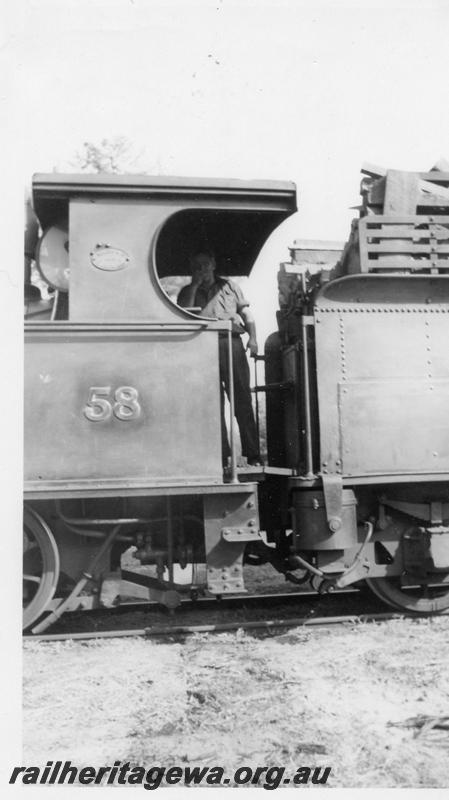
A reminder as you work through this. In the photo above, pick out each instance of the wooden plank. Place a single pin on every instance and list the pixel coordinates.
(432, 188)
(398, 231)
(402, 262)
(401, 192)
(400, 219)
(372, 170)
(398, 262)
(316, 244)
(434, 175)
(395, 232)
(402, 246)
(426, 201)
(432, 195)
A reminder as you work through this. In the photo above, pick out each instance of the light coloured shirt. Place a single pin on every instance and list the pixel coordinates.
(223, 300)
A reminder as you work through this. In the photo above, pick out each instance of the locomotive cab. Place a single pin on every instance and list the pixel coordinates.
(122, 400)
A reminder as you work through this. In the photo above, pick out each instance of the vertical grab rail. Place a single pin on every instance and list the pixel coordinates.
(305, 321)
(256, 392)
(307, 414)
(169, 539)
(234, 478)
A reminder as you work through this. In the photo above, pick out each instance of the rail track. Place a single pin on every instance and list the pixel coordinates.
(180, 631)
(207, 615)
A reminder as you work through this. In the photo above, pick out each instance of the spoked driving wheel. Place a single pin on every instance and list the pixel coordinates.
(40, 566)
(425, 599)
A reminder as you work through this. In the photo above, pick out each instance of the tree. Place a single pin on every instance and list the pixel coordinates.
(113, 156)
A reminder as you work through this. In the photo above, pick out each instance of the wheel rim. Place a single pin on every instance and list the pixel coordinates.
(40, 566)
(418, 600)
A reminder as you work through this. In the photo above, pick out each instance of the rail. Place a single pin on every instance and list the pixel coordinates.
(170, 631)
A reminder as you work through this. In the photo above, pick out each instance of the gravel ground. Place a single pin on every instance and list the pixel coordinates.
(342, 698)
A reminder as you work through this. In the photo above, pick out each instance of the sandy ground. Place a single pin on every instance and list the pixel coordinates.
(301, 698)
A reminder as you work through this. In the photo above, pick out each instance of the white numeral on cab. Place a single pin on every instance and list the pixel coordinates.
(102, 404)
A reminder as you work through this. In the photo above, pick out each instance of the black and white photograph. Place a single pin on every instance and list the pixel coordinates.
(225, 419)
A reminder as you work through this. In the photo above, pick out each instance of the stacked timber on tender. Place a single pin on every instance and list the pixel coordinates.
(404, 222)
(403, 225)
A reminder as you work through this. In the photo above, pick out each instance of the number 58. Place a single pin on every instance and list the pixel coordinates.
(100, 405)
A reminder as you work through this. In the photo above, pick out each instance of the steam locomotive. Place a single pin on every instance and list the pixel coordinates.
(123, 414)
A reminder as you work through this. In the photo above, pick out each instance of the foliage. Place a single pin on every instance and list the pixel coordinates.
(112, 156)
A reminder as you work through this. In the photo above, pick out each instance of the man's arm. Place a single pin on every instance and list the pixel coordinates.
(250, 327)
(186, 297)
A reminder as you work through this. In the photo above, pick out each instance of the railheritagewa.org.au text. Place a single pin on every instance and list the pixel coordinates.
(125, 774)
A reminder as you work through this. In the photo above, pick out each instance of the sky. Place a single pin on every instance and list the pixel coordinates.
(305, 92)
(236, 88)
(226, 88)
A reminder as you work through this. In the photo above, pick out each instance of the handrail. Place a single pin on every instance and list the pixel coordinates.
(234, 478)
(119, 327)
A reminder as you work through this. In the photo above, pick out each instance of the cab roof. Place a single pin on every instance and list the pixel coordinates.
(55, 188)
(232, 217)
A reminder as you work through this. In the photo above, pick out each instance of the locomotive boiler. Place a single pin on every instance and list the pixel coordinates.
(123, 415)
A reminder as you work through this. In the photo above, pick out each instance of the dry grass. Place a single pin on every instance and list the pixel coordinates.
(301, 698)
